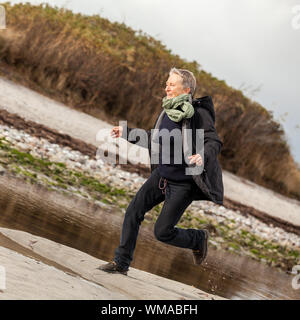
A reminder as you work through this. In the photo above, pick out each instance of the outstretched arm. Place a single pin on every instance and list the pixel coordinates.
(136, 136)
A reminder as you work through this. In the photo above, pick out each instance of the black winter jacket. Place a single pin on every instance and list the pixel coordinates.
(210, 181)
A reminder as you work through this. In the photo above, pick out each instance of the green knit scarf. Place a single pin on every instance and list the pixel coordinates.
(184, 102)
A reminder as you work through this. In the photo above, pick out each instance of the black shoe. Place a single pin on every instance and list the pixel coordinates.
(200, 254)
(113, 267)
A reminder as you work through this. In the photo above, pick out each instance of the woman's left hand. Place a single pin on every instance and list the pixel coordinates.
(196, 158)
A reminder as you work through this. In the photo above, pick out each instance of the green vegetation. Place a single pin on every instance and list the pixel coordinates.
(225, 235)
(56, 174)
(108, 69)
(243, 242)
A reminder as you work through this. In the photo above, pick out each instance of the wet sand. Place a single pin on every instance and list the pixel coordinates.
(38, 269)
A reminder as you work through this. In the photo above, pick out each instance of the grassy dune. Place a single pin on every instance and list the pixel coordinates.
(113, 72)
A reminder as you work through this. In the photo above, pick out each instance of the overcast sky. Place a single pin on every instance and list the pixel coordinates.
(251, 44)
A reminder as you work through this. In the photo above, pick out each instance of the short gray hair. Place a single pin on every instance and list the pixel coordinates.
(188, 79)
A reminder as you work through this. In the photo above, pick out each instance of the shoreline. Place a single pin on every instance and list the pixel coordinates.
(64, 140)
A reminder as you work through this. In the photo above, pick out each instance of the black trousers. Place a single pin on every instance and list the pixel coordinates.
(177, 196)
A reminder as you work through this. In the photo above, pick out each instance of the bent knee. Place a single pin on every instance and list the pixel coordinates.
(162, 233)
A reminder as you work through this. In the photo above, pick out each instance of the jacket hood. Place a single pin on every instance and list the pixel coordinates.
(206, 103)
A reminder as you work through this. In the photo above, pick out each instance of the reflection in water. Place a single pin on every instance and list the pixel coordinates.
(223, 273)
(86, 227)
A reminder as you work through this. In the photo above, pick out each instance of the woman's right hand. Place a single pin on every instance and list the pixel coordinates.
(116, 132)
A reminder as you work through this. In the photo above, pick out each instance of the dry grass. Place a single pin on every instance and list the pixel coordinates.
(97, 66)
